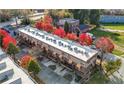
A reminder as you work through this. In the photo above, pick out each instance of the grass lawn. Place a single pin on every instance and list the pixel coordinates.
(98, 79)
(114, 26)
(117, 37)
(118, 52)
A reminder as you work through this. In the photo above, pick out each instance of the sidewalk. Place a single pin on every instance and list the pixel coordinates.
(111, 30)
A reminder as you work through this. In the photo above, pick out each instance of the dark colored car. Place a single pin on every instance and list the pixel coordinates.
(10, 29)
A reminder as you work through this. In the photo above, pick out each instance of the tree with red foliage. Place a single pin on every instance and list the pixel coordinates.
(47, 19)
(105, 45)
(72, 36)
(3, 33)
(59, 32)
(38, 25)
(85, 39)
(48, 27)
(25, 60)
(7, 40)
(45, 24)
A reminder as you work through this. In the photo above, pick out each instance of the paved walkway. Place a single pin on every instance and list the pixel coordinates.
(53, 73)
(111, 30)
(50, 77)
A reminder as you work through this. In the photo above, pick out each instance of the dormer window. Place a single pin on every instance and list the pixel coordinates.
(82, 52)
(43, 36)
(54, 41)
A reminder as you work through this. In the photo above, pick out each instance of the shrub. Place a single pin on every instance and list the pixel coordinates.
(34, 67)
(112, 66)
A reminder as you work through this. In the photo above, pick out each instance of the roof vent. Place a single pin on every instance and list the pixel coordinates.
(87, 54)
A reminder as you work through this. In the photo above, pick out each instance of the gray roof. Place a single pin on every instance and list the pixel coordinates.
(72, 48)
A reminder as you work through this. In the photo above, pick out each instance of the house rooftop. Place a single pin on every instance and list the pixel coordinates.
(14, 73)
(83, 53)
(69, 20)
(83, 27)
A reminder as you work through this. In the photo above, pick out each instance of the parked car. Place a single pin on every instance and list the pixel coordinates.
(10, 29)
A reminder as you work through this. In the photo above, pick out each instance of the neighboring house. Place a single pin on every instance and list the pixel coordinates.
(36, 16)
(111, 19)
(73, 23)
(80, 59)
(10, 73)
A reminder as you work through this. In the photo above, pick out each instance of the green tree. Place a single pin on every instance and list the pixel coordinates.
(16, 13)
(112, 66)
(12, 50)
(26, 21)
(66, 27)
(5, 15)
(57, 14)
(76, 13)
(82, 15)
(87, 15)
(34, 67)
(21, 12)
(95, 16)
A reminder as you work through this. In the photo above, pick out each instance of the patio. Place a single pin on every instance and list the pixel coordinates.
(53, 73)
